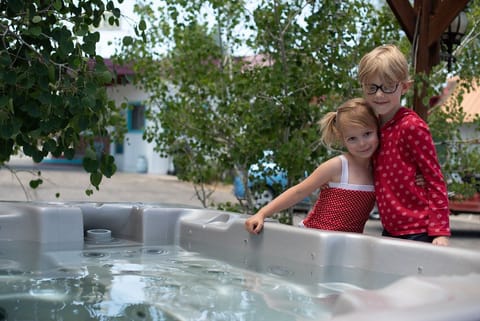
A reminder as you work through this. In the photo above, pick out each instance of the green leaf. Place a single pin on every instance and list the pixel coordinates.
(127, 41)
(35, 183)
(38, 155)
(90, 153)
(69, 153)
(10, 78)
(16, 6)
(57, 4)
(34, 31)
(5, 59)
(89, 47)
(142, 25)
(50, 145)
(106, 77)
(51, 73)
(107, 166)
(3, 101)
(116, 13)
(6, 149)
(96, 179)
(36, 19)
(84, 120)
(90, 165)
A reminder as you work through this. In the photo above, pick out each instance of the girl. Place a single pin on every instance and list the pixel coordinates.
(346, 204)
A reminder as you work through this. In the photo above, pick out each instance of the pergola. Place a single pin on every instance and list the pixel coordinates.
(424, 23)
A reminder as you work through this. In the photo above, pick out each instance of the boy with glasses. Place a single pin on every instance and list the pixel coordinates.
(407, 211)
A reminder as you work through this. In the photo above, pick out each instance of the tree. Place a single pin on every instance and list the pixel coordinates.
(215, 111)
(52, 82)
(222, 111)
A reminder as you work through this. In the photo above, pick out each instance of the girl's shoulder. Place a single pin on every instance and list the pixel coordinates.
(338, 158)
(333, 165)
(332, 169)
(328, 171)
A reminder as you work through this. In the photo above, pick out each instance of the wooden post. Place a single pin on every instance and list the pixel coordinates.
(423, 60)
(424, 25)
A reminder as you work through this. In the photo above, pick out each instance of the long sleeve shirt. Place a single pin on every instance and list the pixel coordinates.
(407, 149)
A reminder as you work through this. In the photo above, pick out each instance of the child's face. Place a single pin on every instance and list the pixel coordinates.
(384, 98)
(360, 141)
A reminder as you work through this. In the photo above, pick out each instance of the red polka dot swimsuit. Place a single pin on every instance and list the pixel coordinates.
(342, 207)
(407, 149)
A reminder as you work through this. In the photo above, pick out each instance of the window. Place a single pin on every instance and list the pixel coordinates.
(136, 118)
(119, 148)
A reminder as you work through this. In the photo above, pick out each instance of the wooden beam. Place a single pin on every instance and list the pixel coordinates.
(431, 17)
(406, 16)
(434, 47)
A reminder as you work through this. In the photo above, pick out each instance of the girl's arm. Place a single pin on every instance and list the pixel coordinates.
(324, 173)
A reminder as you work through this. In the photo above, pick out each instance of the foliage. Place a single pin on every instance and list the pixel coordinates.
(52, 82)
(217, 112)
(224, 110)
(458, 149)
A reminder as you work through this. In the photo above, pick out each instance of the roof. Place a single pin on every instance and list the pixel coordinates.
(249, 62)
(119, 70)
(470, 102)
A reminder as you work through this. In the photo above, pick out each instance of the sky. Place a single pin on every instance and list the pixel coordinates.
(109, 34)
(129, 18)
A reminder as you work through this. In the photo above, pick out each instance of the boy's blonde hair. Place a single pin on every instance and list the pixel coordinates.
(386, 62)
(353, 112)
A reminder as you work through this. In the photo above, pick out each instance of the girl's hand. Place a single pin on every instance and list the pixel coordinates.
(254, 224)
(420, 180)
(440, 241)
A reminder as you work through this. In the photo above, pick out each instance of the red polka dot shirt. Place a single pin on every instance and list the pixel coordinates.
(406, 148)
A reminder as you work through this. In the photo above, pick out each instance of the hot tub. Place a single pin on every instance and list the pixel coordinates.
(136, 261)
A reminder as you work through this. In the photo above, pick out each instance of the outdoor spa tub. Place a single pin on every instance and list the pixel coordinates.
(135, 261)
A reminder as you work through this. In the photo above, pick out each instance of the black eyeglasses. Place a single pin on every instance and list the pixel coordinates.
(372, 89)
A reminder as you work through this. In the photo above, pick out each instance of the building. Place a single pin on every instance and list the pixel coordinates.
(470, 104)
(134, 154)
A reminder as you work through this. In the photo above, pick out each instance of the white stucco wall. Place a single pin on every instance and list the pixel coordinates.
(134, 147)
(468, 131)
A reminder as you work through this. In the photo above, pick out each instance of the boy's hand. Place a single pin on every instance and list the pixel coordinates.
(440, 240)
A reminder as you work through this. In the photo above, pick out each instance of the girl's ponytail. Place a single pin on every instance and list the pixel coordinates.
(329, 133)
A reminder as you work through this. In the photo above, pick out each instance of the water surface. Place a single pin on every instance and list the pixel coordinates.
(152, 283)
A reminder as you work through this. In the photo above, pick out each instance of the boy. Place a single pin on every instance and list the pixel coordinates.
(407, 210)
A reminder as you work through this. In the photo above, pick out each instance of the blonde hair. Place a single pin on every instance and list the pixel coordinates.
(353, 112)
(386, 62)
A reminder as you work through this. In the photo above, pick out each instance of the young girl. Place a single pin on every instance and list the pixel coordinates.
(407, 210)
(346, 204)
